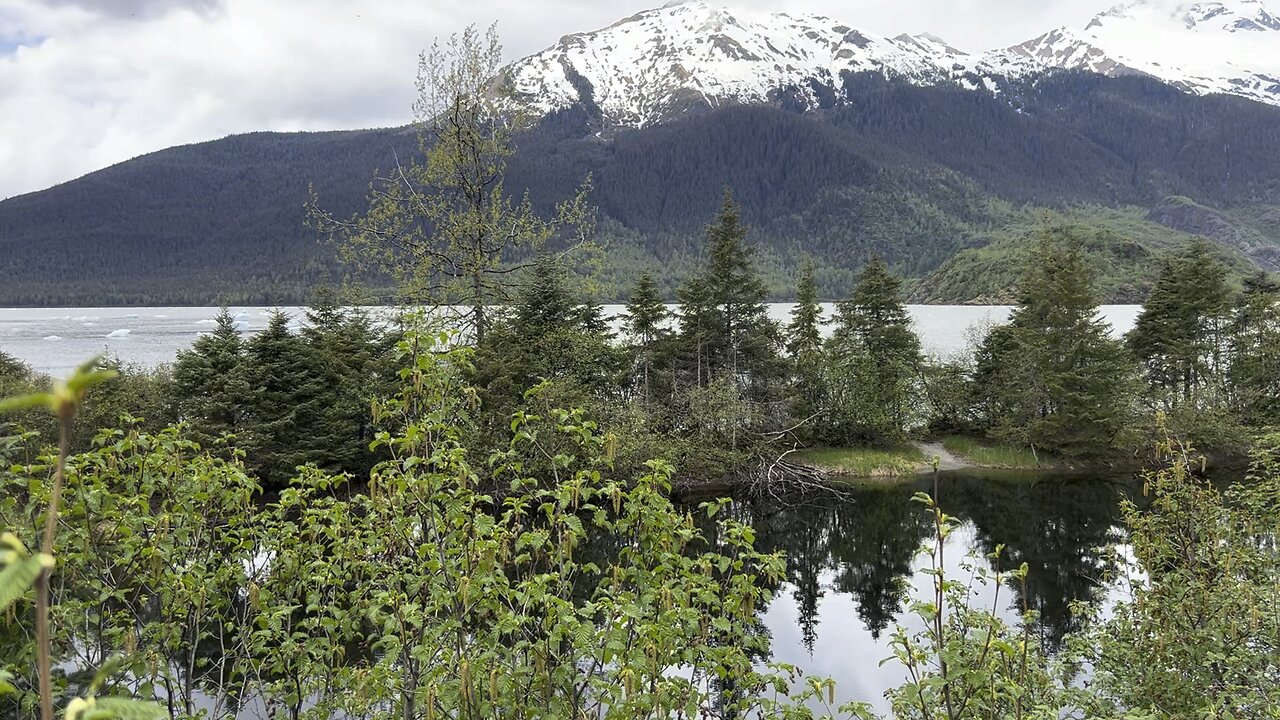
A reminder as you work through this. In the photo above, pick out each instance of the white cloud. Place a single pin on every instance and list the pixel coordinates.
(88, 83)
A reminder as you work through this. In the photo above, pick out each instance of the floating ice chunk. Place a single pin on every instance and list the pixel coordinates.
(131, 315)
(52, 338)
(207, 322)
(90, 324)
(122, 332)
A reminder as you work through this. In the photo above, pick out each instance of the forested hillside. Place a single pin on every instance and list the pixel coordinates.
(913, 174)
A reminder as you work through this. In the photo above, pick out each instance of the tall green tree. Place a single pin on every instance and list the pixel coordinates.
(351, 359)
(873, 361)
(285, 403)
(445, 225)
(551, 334)
(646, 327)
(804, 343)
(1054, 378)
(1255, 352)
(724, 318)
(804, 333)
(209, 385)
(1181, 334)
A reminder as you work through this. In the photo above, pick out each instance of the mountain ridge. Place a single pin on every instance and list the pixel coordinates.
(899, 160)
(664, 62)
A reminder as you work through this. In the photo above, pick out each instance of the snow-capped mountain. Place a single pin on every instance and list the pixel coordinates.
(1231, 47)
(692, 54)
(688, 54)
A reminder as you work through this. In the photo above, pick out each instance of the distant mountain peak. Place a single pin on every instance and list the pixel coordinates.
(689, 55)
(1223, 46)
(693, 54)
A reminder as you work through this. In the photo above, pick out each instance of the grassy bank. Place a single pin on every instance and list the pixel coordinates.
(864, 462)
(982, 454)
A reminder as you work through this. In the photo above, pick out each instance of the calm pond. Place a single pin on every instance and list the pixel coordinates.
(853, 564)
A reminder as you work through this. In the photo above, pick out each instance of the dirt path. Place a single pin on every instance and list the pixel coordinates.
(946, 459)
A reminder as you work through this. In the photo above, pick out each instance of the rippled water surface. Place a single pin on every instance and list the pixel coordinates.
(55, 340)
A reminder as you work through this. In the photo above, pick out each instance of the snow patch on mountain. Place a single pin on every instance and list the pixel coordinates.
(1230, 46)
(690, 55)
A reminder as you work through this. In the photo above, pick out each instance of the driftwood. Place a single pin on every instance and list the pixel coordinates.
(774, 476)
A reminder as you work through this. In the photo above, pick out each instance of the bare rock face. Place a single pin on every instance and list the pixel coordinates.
(1180, 213)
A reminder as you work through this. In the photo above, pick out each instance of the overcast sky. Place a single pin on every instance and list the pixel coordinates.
(88, 83)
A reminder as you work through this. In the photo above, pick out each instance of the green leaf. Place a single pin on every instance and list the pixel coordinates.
(16, 579)
(116, 708)
(26, 402)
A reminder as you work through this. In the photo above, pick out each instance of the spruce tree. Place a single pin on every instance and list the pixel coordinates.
(1054, 378)
(645, 323)
(1181, 334)
(209, 384)
(727, 318)
(803, 334)
(1255, 352)
(804, 343)
(874, 361)
(285, 402)
(550, 335)
(646, 314)
(350, 360)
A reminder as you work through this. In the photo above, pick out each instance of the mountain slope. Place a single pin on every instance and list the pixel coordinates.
(1229, 47)
(839, 144)
(691, 56)
(915, 174)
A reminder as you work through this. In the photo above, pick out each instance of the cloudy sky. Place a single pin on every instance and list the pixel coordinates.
(88, 83)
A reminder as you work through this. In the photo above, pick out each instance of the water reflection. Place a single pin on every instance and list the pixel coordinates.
(852, 562)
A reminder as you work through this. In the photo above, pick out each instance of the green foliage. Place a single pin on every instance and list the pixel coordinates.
(804, 331)
(1196, 638)
(209, 382)
(723, 320)
(444, 226)
(1181, 334)
(864, 462)
(20, 570)
(804, 344)
(1254, 374)
(967, 662)
(1053, 378)
(549, 335)
(873, 364)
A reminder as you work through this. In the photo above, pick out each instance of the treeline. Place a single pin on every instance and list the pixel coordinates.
(720, 390)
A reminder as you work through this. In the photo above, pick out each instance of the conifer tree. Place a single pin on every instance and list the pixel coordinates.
(1054, 377)
(208, 382)
(550, 335)
(723, 312)
(804, 343)
(1181, 334)
(285, 403)
(803, 334)
(645, 325)
(1255, 352)
(350, 359)
(874, 360)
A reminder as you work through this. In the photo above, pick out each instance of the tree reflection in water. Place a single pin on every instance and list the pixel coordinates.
(862, 542)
